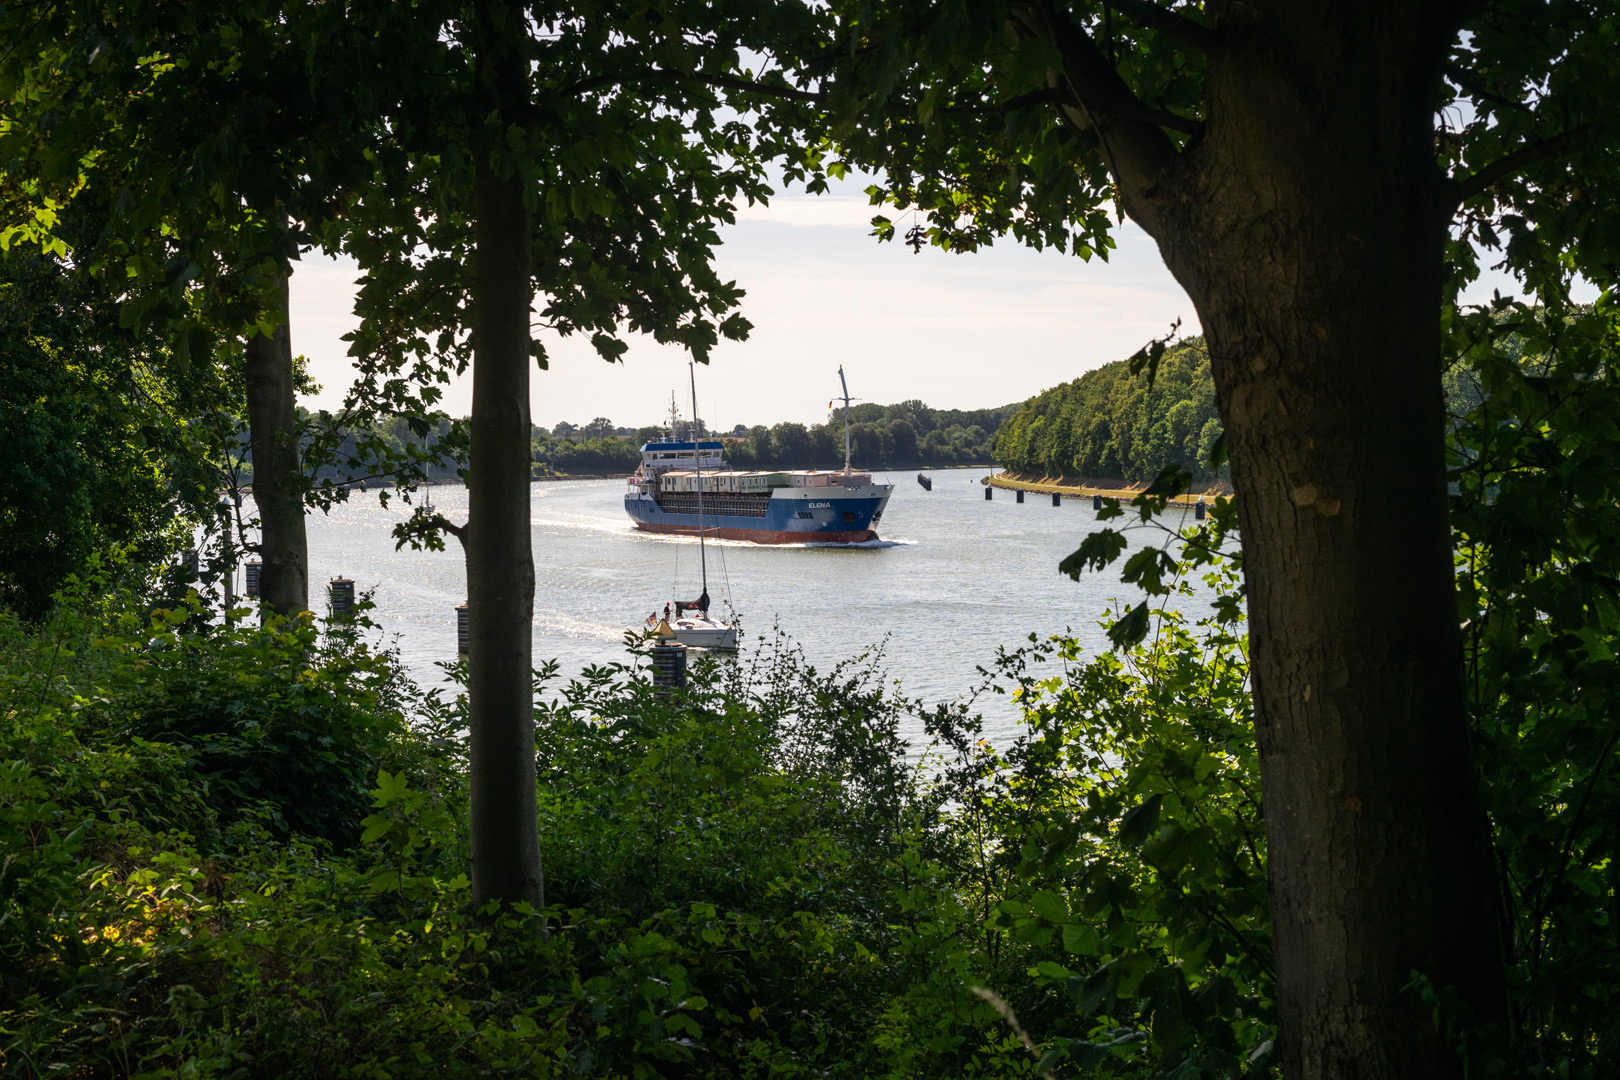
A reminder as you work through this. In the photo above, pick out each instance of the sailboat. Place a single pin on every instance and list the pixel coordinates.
(690, 623)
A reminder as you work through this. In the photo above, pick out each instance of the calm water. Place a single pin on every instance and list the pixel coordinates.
(954, 579)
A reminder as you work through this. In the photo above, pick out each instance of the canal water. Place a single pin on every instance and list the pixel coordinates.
(954, 579)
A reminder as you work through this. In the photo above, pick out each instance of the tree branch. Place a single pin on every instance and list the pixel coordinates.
(1510, 163)
(726, 82)
(1466, 80)
(1168, 21)
(439, 521)
(422, 531)
(1034, 97)
(1092, 78)
(1129, 132)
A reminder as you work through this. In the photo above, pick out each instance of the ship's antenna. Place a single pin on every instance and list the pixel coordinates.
(846, 400)
(697, 460)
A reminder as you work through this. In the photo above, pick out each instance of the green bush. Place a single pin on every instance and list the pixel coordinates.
(737, 874)
(284, 720)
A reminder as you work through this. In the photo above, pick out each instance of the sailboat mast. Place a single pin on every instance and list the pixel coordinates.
(842, 382)
(697, 459)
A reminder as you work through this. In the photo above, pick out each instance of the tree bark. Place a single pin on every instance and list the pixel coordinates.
(278, 483)
(500, 561)
(1308, 225)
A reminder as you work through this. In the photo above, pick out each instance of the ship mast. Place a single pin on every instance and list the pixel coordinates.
(846, 399)
(697, 460)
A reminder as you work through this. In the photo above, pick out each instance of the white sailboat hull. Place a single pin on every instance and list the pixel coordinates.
(704, 633)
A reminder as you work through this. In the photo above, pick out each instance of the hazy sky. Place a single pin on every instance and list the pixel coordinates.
(957, 331)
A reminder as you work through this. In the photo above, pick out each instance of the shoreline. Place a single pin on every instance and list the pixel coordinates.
(1108, 488)
(881, 468)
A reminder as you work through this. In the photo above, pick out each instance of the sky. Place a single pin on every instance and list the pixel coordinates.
(958, 331)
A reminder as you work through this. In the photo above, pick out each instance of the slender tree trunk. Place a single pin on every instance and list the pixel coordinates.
(1309, 231)
(278, 487)
(500, 561)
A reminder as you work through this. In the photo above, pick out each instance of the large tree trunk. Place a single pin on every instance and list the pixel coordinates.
(278, 486)
(500, 562)
(1309, 230)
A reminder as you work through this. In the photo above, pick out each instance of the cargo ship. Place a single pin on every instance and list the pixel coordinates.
(683, 486)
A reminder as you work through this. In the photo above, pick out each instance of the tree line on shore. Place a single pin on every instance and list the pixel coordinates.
(905, 435)
(1114, 423)
(909, 434)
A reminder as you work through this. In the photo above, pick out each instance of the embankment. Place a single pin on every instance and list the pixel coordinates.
(1108, 487)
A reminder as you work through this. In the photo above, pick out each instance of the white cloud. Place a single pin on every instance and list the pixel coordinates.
(811, 211)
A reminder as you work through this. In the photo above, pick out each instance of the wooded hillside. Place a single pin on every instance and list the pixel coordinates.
(908, 434)
(1109, 423)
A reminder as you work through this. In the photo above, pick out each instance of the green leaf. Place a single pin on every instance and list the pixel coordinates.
(1140, 822)
(1130, 628)
(1147, 570)
(1148, 356)
(1087, 1055)
(1089, 993)
(376, 826)
(1171, 481)
(1081, 939)
(1095, 552)
(1059, 840)
(609, 348)
(1050, 906)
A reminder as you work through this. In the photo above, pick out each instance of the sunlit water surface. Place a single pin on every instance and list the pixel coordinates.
(954, 579)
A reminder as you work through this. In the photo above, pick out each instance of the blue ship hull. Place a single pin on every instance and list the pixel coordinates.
(810, 516)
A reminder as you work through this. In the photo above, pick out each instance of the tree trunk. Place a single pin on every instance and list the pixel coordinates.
(278, 484)
(1309, 230)
(500, 561)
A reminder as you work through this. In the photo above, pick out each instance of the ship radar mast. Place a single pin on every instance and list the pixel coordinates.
(674, 417)
(846, 399)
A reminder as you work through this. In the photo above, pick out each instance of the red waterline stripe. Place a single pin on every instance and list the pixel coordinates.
(764, 536)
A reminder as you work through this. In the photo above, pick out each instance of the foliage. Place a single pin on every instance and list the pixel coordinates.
(1533, 448)
(211, 145)
(725, 866)
(1112, 424)
(279, 723)
(101, 454)
(758, 874)
(1538, 529)
(1493, 122)
(754, 876)
(599, 454)
(628, 172)
(1123, 850)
